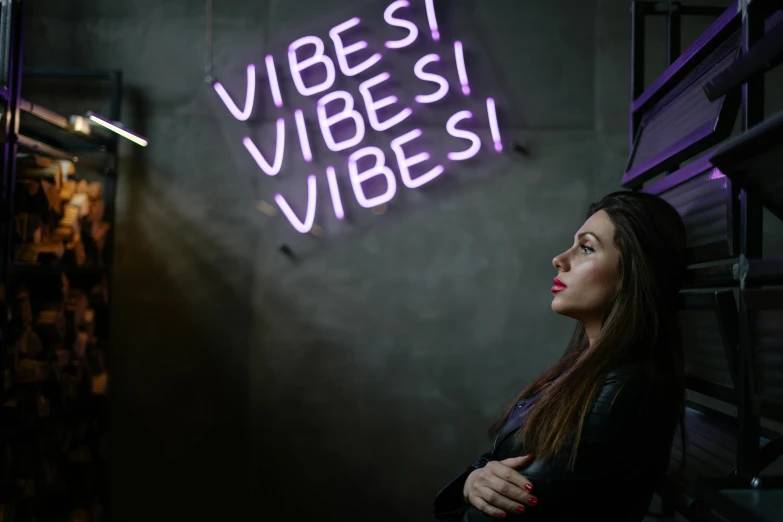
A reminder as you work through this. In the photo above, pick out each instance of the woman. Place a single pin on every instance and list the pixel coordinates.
(590, 437)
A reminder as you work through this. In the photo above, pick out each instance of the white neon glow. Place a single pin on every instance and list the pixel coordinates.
(404, 163)
(274, 85)
(274, 168)
(304, 141)
(118, 130)
(334, 189)
(380, 168)
(343, 51)
(493, 124)
(461, 71)
(373, 106)
(432, 20)
(319, 57)
(418, 70)
(451, 128)
(244, 114)
(413, 31)
(348, 111)
(303, 227)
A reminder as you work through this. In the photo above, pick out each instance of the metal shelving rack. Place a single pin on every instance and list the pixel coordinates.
(28, 127)
(733, 180)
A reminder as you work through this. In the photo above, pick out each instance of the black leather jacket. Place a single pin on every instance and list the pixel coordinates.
(623, 454)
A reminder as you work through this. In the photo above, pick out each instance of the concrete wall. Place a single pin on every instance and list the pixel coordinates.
(349, 385)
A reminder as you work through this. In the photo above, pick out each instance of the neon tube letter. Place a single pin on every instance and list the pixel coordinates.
(461, 71)
(451, 127)
(319, 57)
(418, 70)
(373, 106)
(304, 141)
(493, 124)
(348, 111)
(274, 168)
(303, 227)
(357, 178)
(413, 31)
(334, 189)
(244, 114)
(432, 20)
(404, 163)
(274, 85)
(343, 51)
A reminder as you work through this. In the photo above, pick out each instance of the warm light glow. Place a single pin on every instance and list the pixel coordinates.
(418, 70)
(244, 114)
(461, 71)
(274, 168)
(319, 57)
(342, 51)
(304, 141)
(138, 140)
(432, 20)
(493, 124)
(404, 163)
(274, 85)
(348, 111)
(334, 189)
(303, 227)
(380, 168)
(451, 128)
(373, 106)
(413, 31)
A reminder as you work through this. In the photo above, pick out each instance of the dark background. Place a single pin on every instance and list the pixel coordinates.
(352, 384)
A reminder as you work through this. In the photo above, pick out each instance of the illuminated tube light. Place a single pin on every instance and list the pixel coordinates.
(318, 57)
(348, 111)
(418, 70)
(451, 128)
(274, 85)
(303, 227)
(244, 114)
(413, 31)
(117, 128)
(337, 202)
(404, 162)
(432, 20)
(380, 168)
(373, 106)
(493, 124)
(461, 71)
(342, 51)
(273, 169)
(304, 141)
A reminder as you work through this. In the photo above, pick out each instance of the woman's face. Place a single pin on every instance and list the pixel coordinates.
(588, 275)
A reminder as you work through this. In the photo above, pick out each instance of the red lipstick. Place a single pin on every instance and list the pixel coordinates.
(558, 286)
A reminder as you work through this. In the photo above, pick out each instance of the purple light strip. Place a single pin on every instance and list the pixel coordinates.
(432, 20)
(380, 168)
(274, 85)
(461, 71)
(451, 128)
(303, 227)
(304, 141)
(334, 189)
(273, 169)
(373, 106)
(404, 163)
(342, 52)
(348, 111)
(241, 115)
(418, 70)
(493, 124)
(413, 31)
(319, 57)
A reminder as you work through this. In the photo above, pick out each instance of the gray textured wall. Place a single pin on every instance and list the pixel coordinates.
(352, 384)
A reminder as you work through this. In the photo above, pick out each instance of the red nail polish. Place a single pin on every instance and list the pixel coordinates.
(502, 515)
(521, 509)
(529, 487)
(533, 501)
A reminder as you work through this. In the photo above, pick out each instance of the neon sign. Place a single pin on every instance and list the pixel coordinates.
(335, 107)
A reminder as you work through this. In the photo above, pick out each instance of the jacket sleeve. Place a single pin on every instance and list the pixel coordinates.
(449, 502)
(615, 465)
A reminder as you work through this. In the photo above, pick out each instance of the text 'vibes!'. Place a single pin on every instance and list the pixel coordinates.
(339, 107)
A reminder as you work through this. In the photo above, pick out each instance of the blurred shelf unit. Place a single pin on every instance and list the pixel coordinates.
(57, 205)
(731, 309)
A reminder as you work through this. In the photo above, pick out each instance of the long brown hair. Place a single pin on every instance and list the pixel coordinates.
(641, 326)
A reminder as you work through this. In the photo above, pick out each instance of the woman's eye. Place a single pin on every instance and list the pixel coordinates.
(586, 249)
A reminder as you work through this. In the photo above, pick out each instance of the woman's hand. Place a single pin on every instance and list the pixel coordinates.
(498, 488)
